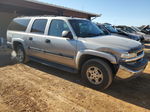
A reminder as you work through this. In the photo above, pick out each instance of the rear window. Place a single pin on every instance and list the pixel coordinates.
(19, 25)
(39, 26)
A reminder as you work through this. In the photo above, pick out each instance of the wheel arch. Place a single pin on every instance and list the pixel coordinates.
(16, 42)
(108, 58)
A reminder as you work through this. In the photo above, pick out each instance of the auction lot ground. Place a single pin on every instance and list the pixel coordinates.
(34, 87)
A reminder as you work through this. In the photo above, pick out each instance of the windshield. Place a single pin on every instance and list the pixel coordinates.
(110, 28)
(130, 30)
(85, 28)
(136, 29)
(101, 27)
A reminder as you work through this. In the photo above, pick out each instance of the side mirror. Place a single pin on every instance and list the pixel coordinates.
(67, 34)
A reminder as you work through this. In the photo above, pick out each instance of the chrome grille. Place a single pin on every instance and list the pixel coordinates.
(136, 49)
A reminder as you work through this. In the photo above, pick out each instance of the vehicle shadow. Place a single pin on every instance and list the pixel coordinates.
(76, 78)
(135, 91)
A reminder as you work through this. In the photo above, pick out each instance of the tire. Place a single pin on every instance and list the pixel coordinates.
(21, 55)
(97, 74)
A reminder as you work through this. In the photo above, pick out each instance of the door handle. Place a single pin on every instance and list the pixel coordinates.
(48, 41)
(30, 38)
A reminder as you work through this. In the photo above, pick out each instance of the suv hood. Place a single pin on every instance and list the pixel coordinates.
(110, 42)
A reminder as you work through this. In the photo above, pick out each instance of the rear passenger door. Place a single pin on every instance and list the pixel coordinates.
(63, 49)
(36, 38)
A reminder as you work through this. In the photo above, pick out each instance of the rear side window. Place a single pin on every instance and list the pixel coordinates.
(57, 27)
(19, 25)
(39, 26)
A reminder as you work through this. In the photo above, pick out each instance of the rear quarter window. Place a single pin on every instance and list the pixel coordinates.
(19, 25)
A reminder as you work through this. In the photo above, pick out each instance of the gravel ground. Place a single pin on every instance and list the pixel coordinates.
(34, 87)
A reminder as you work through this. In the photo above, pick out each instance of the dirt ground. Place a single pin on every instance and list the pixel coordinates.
(34, 87)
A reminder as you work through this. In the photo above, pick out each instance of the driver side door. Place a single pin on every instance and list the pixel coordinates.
(64, 49)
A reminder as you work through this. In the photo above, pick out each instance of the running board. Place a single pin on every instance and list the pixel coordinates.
(54, 65)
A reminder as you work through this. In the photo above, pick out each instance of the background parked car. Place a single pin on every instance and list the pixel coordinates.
(101, 27)
(146, 35)
(132, 31)
(117, 32)
(145, 29)
(136, 28)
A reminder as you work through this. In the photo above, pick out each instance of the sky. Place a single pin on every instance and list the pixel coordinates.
(116, 12)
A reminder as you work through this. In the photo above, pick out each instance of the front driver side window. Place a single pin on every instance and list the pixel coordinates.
(57, 27)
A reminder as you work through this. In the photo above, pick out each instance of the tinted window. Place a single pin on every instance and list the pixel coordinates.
(19, 24)
(103, 29)
(130, 30)
(85, 28)
(110, 28)
(39, 26)
(57, 27)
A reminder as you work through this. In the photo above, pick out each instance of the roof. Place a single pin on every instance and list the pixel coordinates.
(61, 7)
(28, 5)
(48, 17)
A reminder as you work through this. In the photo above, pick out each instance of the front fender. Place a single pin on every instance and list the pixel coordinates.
(105, 55)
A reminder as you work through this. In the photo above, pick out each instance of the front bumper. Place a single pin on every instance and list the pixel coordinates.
(131, 70)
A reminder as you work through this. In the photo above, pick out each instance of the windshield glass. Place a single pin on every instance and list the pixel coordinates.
(136, 29)
(110, 28)
(85, 28)
(130, 30)
(101, 27)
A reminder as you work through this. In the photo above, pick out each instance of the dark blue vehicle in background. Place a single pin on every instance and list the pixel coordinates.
(119, 32)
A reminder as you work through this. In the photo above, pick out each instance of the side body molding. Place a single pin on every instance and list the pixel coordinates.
(107, 56)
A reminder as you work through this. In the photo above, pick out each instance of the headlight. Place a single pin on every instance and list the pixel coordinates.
(128, 55)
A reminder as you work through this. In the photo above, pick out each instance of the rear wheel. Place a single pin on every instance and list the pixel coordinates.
(20, 54)
(97, 74)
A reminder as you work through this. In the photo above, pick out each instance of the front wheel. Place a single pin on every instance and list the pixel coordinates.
(97, 74)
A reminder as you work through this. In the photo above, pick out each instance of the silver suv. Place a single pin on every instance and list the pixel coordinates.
(78, 46)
